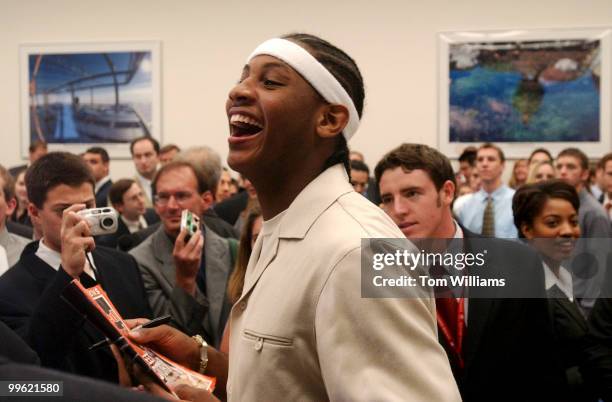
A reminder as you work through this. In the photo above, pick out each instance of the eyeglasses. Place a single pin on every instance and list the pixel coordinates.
(180, 197)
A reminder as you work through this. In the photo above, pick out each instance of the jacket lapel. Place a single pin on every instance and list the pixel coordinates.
(257, 266)
(161, 244)
(217, 260)
(481, 306)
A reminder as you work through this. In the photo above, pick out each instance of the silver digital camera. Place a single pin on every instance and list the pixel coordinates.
(101, 220)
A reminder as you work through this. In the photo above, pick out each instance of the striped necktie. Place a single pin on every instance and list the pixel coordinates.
(488, 219)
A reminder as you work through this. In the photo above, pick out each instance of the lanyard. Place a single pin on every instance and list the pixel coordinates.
(455, 343)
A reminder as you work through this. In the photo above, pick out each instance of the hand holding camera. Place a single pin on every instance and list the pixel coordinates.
(101, 220)
(187, 252)
(79, 225)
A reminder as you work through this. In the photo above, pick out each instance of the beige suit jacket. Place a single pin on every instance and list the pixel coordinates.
(301, 330)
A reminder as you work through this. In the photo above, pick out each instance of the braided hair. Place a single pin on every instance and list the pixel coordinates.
(345, 70)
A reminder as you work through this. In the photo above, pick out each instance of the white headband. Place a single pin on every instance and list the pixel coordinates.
(318, 76)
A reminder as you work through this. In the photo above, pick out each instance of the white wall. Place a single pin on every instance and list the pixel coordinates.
(204, 44)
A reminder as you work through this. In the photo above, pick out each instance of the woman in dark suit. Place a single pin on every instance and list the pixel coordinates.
(546, 214)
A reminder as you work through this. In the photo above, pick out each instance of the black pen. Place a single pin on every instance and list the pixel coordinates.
(156, 322)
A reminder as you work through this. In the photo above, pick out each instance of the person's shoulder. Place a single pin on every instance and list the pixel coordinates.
(113, 253)
(19, 240)
(354, 214)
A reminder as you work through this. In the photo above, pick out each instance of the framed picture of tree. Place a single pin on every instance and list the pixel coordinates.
(518, 87)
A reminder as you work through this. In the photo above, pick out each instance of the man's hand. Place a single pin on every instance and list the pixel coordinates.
(179, 347)
(188, 393)
(76, 240)
(187, 259)
(168, 341)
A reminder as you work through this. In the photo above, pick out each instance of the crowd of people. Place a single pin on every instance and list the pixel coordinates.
(267, 295)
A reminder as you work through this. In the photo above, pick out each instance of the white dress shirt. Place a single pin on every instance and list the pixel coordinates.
(54, 259)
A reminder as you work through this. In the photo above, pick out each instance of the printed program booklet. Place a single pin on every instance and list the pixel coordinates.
(96, 306)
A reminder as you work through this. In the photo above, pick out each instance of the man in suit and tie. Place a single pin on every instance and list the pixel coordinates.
(145, 154)
(98, 160)
(127, 197)
(497, 345)
(60, 184)
(186, 278)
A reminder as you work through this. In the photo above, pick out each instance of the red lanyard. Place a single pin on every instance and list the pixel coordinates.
(455, 343)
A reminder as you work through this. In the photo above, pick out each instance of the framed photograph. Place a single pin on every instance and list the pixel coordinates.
(75, 96)
(516, 88)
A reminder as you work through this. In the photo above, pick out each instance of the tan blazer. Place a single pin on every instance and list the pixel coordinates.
(301, 330)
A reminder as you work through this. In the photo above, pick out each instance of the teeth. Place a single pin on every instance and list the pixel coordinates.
(245, 119)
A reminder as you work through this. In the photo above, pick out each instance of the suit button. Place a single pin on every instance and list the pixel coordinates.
(259, 344)
(243, 305)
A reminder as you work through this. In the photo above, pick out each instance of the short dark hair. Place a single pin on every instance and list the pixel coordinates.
(360, 166)
(345, 70)
(99, 151)
(36, 144)
(490, 145)
(52, 170)
(538, 151)
(578, 154)
(469, 155)
(8, 184)
(418, 156)
(152, 140)
(118, 189)
(168, 148)
(177, 164)
(604, 160)
(529, 200)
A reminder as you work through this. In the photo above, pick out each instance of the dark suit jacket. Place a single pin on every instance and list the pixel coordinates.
(600, 335)
(19, 229)
(15, 170)
(506, 347)
(112, 240)
(570, 332)
(211, 220)
(102, 194)
(218, 225)
(75, 389)
(204, 313)
(30, 304)
(230, 209)
(15, 348)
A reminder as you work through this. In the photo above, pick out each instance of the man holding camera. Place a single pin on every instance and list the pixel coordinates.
(186, 277)
(59, 185)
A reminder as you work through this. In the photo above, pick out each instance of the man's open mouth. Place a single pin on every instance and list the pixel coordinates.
(242, 126)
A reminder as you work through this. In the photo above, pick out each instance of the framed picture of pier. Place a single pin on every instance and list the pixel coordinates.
(74, 96)
(519, 87)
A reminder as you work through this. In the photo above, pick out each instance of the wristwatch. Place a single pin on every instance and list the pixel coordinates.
(203, 352)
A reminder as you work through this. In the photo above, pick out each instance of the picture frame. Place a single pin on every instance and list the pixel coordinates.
(79, 95)
(516, 88)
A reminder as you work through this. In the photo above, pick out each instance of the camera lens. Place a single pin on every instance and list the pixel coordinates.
(107, 223)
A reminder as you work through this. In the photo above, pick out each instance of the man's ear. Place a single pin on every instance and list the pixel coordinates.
(10, 206)
(207, 199)
(584, 176)
(447, 192)
(34, 213)
(527, 231)
(119, 207)
(332, 120)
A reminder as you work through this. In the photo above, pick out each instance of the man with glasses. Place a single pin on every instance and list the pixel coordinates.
(185, 277)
